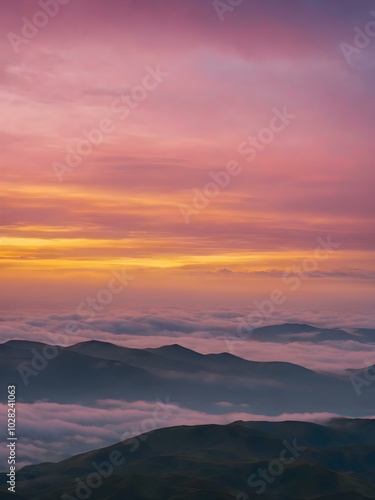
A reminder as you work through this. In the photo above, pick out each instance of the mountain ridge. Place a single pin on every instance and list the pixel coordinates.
(182, 462)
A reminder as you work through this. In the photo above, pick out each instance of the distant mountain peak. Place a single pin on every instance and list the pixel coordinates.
(174, 349)
(95, 343)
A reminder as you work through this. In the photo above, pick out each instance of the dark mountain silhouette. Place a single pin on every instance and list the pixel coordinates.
(294, 332)
(94, 370)
(332, 461)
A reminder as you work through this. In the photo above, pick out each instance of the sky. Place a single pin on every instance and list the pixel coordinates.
(172, 187)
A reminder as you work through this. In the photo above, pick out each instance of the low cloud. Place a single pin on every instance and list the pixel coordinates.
(205, 331)
(52, 431)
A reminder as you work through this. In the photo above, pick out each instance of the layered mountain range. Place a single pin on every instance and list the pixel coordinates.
(93, 370)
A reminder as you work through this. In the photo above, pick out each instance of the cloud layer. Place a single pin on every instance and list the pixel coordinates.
(204, 330)
(52, 432)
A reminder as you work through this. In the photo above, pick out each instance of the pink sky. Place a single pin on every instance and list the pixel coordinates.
(222, 81)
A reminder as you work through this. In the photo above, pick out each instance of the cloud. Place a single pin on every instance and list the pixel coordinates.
(225, 79)
(206, 331)
(52, 432)
(365, 274)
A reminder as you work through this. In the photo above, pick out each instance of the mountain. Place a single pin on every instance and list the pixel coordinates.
(10, 496)
(331, 461)
(294, 332)
(94, 370)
